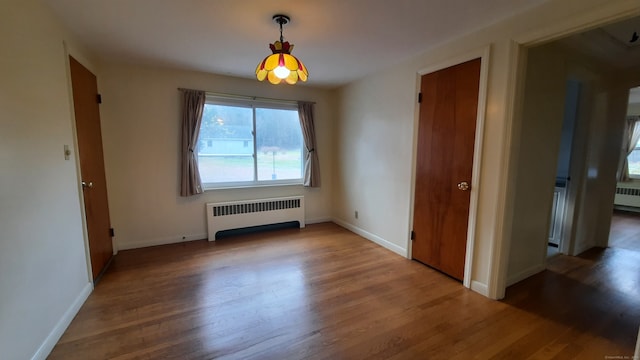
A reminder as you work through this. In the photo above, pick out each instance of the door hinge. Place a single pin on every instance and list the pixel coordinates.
(413, 235)
(111, 232)
(99, 99)
(419, 97)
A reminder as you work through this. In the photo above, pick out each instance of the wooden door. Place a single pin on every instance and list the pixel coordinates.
(85, 103)
(446, 136)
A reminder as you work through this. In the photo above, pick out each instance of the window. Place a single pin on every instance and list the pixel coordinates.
(249, 144)
(633, 161)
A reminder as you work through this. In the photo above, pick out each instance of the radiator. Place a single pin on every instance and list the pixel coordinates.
(242, 214)
(627, 196)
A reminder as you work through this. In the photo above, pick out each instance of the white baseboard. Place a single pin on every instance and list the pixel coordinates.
(318, 220)
(160, 241)
(480, 288)
(525, 274)
(52, 339)
(372, 237)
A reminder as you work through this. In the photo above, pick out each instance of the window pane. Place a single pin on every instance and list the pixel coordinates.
(225, 146)
(634, 162)
(279, 144)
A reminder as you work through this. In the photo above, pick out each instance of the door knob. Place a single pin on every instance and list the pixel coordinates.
(87, 184)
(464, 186)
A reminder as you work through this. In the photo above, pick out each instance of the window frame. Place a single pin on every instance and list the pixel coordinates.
(253, 105)
(633, 176)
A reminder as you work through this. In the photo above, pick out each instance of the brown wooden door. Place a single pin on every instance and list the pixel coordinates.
(85, 102)
(446, 136)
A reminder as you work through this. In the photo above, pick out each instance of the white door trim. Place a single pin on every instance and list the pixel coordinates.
(74, 151)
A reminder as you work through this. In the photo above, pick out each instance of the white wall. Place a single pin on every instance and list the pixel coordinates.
(537, 157)
(373, 152)
(374, 136)
(141, 133)
(604, 140)
(43, 268)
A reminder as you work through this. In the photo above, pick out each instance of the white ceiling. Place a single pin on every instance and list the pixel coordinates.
(338, 40)
(611, 43)
(624, 32)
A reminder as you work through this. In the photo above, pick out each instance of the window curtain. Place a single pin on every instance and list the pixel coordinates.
(631, 137)
(311, 164)
(193, 106)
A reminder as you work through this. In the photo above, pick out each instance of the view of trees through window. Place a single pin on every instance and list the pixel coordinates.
(228, 151)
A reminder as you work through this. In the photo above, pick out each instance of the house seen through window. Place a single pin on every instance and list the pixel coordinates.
(244, 144)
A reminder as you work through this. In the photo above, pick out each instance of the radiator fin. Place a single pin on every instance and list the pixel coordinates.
(628, 191)
(248, 208)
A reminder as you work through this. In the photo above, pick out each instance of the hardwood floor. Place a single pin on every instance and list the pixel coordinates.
(325, 293)
(625, 230)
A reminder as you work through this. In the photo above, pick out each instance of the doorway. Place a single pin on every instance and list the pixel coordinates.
(594, 151)
(94, 186)
(444, 166)
(625, 220)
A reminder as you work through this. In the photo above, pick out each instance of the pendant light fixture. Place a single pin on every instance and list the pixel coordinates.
(281, 65)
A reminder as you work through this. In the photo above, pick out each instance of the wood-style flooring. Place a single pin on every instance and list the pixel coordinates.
(325, 293)
(625, 230)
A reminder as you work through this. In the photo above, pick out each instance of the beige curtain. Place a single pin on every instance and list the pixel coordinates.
(311, 164)
(631, 137)
(193, 106)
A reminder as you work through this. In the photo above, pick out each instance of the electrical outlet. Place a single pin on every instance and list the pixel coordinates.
(356, 214)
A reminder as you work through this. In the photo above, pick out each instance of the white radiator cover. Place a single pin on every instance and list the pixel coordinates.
(241, 214)
(627, 195)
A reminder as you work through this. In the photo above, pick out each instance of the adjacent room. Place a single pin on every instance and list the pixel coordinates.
(625, 221)
(178, 180)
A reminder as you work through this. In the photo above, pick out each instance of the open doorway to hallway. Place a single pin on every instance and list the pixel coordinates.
(565, 180)
(605, 67)
(589, 76)
(556, 243)
(599, 67)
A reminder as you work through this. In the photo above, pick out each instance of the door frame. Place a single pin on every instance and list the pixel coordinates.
(483, 53)
(74, 153)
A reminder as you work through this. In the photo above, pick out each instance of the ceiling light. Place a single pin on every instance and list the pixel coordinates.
(281, 65)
